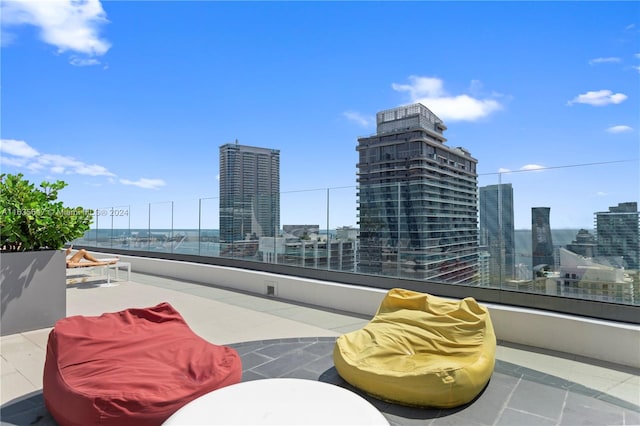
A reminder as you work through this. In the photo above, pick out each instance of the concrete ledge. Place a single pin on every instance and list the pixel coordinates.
(609, 341)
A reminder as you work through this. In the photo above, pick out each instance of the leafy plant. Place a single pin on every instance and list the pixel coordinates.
(32, 219)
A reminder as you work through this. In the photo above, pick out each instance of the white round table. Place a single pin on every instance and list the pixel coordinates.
(279, 402)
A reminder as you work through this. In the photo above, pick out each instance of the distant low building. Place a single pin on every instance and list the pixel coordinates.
(582, 277)
(584, 244)
(308, 250)
(347, 233)
(523, 271)
(305, 232)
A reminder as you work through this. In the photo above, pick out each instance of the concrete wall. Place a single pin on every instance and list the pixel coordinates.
(33, 290)
(609, 341)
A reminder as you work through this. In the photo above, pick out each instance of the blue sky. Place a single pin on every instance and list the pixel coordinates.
(129, 102)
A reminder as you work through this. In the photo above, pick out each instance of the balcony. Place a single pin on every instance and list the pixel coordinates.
(551, 368)
(491, 227)
(568, 348)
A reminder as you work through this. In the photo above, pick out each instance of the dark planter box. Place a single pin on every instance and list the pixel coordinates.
(33, 290)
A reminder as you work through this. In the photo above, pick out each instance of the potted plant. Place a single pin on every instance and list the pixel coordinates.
(34, 227)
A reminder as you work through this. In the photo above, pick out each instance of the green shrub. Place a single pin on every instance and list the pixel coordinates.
(32, 219)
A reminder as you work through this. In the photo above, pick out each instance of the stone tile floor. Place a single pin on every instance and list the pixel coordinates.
(556, 389)
(515, 395)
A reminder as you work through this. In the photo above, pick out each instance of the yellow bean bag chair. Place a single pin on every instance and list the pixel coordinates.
(420, 350)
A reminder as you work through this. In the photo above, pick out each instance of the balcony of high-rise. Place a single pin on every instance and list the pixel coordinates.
(416, 141)
(306, 288)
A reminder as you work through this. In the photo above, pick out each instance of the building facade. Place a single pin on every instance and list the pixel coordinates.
(417, 200)
(249, 194)
(497, 231)
(337, 255)
(541, 241)
(584, 244)
(618, 234)
(583, 278)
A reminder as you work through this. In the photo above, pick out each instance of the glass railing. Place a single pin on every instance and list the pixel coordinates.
(536, 231)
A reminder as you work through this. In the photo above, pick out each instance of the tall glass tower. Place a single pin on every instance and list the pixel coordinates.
(618, 234)
(541, 242)
(497, 231)
(249, 192)
(417, 200)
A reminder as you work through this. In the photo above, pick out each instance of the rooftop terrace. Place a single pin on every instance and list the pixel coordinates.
(280, 338)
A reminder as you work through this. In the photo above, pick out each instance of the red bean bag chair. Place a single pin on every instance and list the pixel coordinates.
(134, 367)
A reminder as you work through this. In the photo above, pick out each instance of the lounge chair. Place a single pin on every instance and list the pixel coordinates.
(77, 272)
(420, 350)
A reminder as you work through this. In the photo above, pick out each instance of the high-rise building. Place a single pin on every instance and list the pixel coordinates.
(584, 244)
(249, 194)
(417, 200)
(541, 241)
(484, 276)
(497, 231)
(618, 234)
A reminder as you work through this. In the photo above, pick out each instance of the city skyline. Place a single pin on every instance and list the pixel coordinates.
(134, 110)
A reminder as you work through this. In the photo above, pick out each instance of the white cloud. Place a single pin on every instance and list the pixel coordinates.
(611, 59)
(17, 148)
(56, 160)
(360, 119)
(92, 170)
(636, 67)
(637, 55)
(430, 92)
(421, 87)
(83, 62)
(34, 167)
(144, 183)
(13, 161)
(503, 170)
(64, 164)
(601, 194)
(19, 154)
(599, 98)
(69, 25)
(620, 129)
(476, 87)
(532, 167)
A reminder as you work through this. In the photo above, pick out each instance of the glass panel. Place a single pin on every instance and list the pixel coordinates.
(120, 226)
(551, 231)
(159, 234)
(209, 227)
(185, 227)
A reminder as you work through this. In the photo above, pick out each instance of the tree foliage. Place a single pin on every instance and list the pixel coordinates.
(32, 219)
